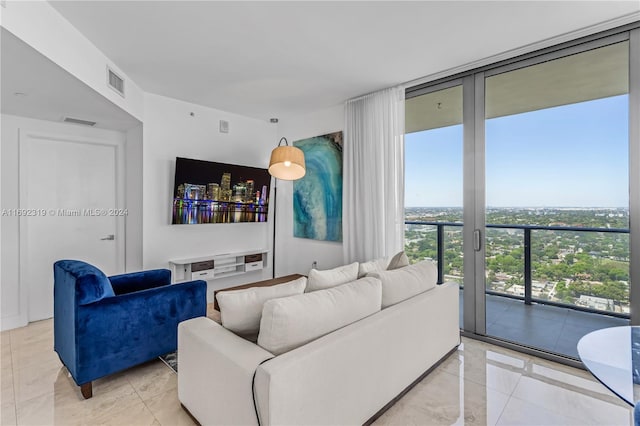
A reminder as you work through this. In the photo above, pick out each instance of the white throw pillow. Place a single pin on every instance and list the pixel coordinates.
(241, 310)
(319, 280)
(377, 265)
(290, 322)
(401, 284)
(398, 261)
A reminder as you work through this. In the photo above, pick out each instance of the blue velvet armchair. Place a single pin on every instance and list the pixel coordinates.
(107, 324)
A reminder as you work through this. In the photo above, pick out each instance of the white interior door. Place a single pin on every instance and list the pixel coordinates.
(68, 192)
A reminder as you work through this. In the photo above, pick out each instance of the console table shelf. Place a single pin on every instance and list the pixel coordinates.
(218, 266)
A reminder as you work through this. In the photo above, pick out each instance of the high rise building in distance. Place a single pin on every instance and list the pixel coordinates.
(226, 181)
(225, 184)
(263, 196)
(250, 196)
(213, 191)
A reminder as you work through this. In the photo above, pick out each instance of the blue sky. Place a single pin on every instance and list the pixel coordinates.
(568, 156)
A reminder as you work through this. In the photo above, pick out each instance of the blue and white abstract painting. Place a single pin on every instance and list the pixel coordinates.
(317, 197)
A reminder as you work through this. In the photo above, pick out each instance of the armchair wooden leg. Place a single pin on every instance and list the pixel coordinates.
(86, 390)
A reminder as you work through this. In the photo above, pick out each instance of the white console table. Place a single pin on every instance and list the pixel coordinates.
(216, 266)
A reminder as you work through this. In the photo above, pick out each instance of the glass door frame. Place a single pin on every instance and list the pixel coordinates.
(634, 173)
(474, 316)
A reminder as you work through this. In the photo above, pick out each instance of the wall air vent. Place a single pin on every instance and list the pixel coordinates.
(115, 81)
(79, 121)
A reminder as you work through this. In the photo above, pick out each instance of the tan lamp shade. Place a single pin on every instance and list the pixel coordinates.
(287, 163)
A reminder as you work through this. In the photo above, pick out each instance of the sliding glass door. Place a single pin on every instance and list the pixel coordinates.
(433, 180)
(519, 184)
(557, 197)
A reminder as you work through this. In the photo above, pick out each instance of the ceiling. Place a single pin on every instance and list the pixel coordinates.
(33, 86)
(593, 74)
(276, 59)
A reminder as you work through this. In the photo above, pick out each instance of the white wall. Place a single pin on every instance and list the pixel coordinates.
(13, 303)
(38, 24)
(133, 180)
(295, 255)
(169, 132)
(150, 241)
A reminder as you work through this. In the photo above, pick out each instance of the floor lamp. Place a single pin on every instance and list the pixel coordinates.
(287, 163)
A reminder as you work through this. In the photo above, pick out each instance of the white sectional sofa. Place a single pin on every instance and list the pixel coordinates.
(348, 376)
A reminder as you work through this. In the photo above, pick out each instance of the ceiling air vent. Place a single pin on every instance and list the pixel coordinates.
(115, 81)
(78, 121)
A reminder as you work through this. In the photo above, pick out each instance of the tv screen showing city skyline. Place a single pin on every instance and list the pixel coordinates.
(210, 192)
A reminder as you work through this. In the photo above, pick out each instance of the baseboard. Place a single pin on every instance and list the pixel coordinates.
(14, 321)
(408, 388)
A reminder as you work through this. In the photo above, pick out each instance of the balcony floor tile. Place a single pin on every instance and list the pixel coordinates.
(550, 328)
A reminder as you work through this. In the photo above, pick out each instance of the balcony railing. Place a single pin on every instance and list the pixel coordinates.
(527, 298)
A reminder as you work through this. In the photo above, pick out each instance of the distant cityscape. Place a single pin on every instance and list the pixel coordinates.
(589, 269)
(220, 202)
(242, 192)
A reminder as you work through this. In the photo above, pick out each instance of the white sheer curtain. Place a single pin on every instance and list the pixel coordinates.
(373, 192)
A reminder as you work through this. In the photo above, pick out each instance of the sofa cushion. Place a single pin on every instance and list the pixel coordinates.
(240, 310)
(290, 322)
(398, 261)
(319, 280)
(401, 284)
(376, 265)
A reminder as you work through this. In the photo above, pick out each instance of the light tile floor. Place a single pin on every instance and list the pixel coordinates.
(480, 384)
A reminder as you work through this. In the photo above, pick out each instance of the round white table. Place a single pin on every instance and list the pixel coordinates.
(612, 355)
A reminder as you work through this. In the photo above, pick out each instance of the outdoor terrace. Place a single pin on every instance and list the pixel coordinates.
(549, 325)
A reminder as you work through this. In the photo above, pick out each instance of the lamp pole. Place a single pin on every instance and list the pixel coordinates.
(273, 256)
(286, 163)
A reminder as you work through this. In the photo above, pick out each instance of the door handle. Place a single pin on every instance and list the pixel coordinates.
(476, 240)
(109, 237)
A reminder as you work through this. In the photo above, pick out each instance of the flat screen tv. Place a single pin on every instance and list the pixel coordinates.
(208, 192)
